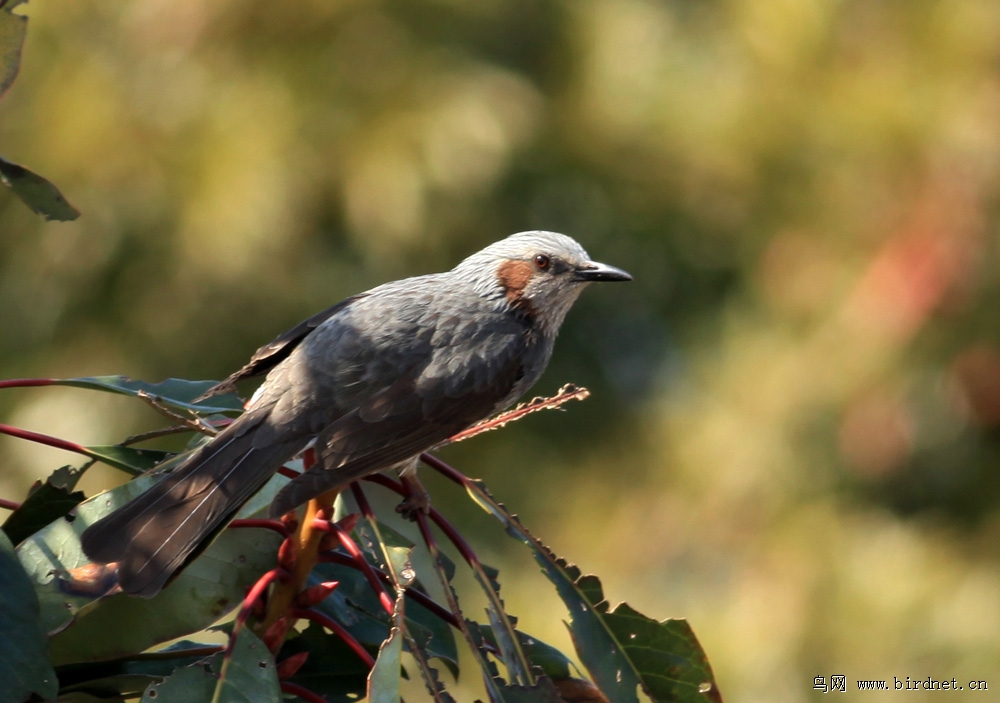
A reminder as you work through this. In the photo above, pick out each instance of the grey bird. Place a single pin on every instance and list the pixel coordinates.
(374, 381)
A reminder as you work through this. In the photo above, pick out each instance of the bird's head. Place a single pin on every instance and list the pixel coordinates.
(539, 274)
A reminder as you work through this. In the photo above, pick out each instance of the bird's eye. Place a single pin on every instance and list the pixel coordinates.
(542, 262)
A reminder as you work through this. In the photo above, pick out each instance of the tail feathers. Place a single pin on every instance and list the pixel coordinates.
(156, 534)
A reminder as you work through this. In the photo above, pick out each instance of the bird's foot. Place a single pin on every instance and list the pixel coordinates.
(417, 501)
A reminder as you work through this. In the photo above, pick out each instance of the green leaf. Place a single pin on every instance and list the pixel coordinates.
(129, 459)
(621, 648)
(176, 392)
(544, 691)
(357, 608)
(45, 503)
(25, 668)
(34, 191)
(547, 658)
(667, 656)
(247, 675)
(332, 670)
(190, 684)
(355, 604)
(13, 29)
(37, 193)
(383, 681)
(386, 548)
(128, 678)
(91, 628)
(553, 663)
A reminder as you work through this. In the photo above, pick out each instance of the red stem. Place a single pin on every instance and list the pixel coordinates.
(447, 471)
(417, 595)
(336, 628)
(44, 439)
(288, 473)
(25, 382)
(255, 593)
(302, 692)
(352, 548)
(362, 500)
(9, 504)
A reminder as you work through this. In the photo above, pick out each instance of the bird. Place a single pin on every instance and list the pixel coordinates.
(369, 383)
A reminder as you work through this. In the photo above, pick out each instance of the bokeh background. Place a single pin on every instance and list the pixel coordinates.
(794, 434)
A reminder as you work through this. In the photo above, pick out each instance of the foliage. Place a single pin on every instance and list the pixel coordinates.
(796, 438)
(36, 192)
(364, 603)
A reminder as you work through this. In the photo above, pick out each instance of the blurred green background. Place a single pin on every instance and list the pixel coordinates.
(794, 434)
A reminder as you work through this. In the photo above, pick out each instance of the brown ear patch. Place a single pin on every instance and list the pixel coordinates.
(514, 276)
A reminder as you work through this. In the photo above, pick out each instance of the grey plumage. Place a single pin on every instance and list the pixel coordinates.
(375, 380)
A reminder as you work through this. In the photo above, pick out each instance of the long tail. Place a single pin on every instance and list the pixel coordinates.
(159, 532)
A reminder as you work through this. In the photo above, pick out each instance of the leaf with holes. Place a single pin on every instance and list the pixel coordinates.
(547, 658)
(248, 674)
(185, 685)
(128, 678)
(621, 648)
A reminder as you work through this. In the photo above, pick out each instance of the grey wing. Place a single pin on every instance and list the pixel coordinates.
(422, 406)
(277, 350)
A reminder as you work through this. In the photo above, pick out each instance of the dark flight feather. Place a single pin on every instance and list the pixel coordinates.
(153, 536)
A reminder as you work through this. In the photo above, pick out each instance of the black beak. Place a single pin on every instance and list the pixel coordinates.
(594, 271)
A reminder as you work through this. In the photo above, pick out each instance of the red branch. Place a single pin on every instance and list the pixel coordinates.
(302, 692)
(256, 591)
(25, 382)
(417, 595)
(444, 469)
(355, 551)
(275, 525)
(288, 473)
(44, 439)
(460, 544)
(362, 500)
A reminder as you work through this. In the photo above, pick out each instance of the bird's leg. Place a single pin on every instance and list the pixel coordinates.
(417, 500)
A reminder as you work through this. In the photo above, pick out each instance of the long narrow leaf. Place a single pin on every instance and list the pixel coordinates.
(176, 392)
(383, 681)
